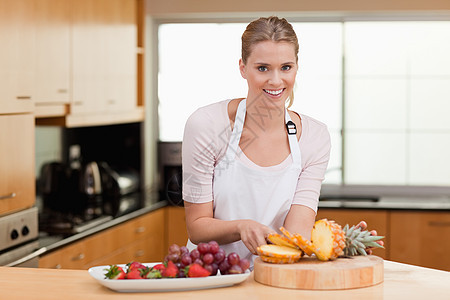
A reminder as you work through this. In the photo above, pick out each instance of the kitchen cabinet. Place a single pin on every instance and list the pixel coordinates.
(138, 239)
(176, 226)
(375, 219)
(98, 51)
(17, 40)
(421, 238)
(53, 44)
(17, 177)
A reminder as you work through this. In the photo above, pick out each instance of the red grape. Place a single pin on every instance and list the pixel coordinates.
(175, 249)
(235, 269)
(208, 258)
(224, 266)
(219, 257)
(195, 254)
(198, 261)
(208, 268)
(215, 268)
(173, 257)
(203, 248)
(213, 247)
(186, 259)
(233, 258)
(184, 250)
(245, 264)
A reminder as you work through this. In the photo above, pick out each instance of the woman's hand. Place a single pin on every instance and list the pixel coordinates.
(363, 226)
(253, 234)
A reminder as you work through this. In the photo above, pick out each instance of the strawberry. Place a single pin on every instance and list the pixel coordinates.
(136, 274)
(115, 272)
(170, 271)
(159, 267)
(195, 270)
(135, 265)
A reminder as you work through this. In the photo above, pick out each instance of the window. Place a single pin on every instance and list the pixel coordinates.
(382, 88)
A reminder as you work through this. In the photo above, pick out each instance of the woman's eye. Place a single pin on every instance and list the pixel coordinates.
(262, 68)
(286, 68)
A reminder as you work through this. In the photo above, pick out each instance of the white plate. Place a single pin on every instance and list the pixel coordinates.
(165, 284)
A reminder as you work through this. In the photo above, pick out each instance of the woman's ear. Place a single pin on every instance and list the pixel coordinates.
(242, 68)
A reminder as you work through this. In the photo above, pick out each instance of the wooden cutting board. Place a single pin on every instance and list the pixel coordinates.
(312, 274)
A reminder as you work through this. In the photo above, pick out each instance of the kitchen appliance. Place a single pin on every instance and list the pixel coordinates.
(170, 172)
(78, 197)
(18, 237)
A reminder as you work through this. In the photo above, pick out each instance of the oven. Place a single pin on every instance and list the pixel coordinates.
(19, 238)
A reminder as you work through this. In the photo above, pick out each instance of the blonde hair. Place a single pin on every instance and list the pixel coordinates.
(269, 29)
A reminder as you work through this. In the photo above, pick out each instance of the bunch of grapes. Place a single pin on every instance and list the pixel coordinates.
(208, 255)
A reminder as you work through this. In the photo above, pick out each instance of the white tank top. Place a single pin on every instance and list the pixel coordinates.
(241, 192)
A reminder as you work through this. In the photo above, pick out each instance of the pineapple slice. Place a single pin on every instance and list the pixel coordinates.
(280, 253)
(328, 238)
(277, 260)
(280, 240)
(301, 242)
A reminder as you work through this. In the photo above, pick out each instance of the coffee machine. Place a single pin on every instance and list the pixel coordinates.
(170, 172)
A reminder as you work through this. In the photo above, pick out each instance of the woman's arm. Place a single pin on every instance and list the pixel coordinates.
(203, 227)
(300, 219)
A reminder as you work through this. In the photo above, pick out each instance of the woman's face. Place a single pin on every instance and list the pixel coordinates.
(270, 71)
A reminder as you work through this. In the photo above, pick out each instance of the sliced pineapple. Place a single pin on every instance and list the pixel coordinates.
(280, 240)
(301, 242)
(277, 260)
(280, 252)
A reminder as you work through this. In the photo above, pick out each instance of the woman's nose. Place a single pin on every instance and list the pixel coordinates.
(275, 78)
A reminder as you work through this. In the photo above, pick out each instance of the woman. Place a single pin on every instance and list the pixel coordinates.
(251, 165)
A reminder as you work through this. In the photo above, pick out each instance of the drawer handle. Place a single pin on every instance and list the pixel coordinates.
(78, 257)
(111, 101)
(23, 97)
(58, 266)
(439, 224)
(139, 253)
(140, 229)
(62, 91)
(12, 195)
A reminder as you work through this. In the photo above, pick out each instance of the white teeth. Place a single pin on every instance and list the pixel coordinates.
(275, 93)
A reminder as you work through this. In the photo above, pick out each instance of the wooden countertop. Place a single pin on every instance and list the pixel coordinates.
(401, 281)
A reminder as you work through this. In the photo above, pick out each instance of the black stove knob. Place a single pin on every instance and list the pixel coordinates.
(14, 234)
(25, 230)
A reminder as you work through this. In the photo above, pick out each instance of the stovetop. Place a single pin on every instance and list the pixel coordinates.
(67, 224)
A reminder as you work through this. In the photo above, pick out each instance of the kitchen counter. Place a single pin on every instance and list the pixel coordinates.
(401, 281)
(48, 243)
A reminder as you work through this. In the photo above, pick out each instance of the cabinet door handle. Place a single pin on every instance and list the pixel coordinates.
(58, 266)
(140, 229)
(62, 91)
(23, 97)
(139, 253)
(111, 101)
(12, 195)
(78, 257)
(439, 224)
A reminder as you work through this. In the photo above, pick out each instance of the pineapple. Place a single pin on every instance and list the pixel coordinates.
(278, 239)
(331, 241)
(328, 239)
(356, 241)
(279, 254)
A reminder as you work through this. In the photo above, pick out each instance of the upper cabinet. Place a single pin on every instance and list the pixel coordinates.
(93, 46)
(17, 50)
(52, 89)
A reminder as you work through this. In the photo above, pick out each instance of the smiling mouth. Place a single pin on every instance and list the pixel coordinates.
(273, 92)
